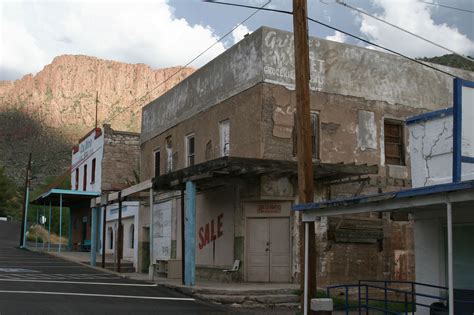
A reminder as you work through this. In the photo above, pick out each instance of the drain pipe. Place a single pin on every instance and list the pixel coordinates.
(306, 254)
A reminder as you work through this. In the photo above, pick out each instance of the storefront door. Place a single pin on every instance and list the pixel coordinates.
(268, 249)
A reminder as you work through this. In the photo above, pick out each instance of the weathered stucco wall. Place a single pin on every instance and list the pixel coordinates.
(121, 159)
(431, 147)
(234, 71)
(267, 55)
(244, 113)
(350, 70)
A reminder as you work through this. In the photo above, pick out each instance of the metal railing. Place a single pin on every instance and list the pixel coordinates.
(367, 301)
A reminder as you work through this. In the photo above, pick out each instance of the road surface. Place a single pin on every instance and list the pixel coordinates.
(37, 283)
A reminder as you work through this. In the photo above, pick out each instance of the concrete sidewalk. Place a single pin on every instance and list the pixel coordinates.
(254, 295)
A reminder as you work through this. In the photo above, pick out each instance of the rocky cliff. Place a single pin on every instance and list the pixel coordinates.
(48, 112)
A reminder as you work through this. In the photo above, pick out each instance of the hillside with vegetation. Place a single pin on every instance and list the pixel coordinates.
(451, 61)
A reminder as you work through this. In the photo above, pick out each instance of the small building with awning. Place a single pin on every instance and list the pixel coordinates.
(64, 198)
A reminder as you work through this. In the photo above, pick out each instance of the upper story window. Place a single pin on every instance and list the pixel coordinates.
(314, 136)
(169, 154)
(84, 178)
(224, 136)
(190, 149)
(77, 179)
(93, 171)
(394, 142)
(157, 162)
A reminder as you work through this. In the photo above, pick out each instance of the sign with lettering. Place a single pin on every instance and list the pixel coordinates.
(269, 208)
(162, 230)
(211, 231)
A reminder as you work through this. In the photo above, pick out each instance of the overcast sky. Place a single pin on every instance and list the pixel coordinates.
(168, 33)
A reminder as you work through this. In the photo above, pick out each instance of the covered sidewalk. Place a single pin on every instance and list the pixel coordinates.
(447, 205)
(63, 198)
(221, 172)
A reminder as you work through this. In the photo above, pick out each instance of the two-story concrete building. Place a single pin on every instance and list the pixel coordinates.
(229, 128)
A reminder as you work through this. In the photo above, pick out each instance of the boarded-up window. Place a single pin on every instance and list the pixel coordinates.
(314, 137)
(394, 144)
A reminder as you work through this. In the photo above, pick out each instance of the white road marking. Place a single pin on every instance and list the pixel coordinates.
(100, 295)
(79, 282)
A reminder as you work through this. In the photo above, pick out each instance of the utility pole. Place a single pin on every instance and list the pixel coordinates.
(304, 144)
(25, 204)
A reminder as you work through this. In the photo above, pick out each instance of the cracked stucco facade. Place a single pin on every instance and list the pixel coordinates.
(431, 152)
(352, 90)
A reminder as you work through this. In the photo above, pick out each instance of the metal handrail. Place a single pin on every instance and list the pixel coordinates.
(386, 290)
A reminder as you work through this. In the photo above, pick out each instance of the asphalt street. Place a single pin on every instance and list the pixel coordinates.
(37, 283)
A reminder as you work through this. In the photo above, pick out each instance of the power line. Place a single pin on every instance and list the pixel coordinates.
(446, 6)
(341, 2)
(189, 62)
(346, 33)
(61, 177)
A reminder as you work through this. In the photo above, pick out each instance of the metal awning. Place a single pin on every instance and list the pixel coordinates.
(225, 168)
(450, 196)
(415, 199)
(70, 198)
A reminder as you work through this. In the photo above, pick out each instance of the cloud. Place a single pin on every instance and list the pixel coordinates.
(337, 37)
(33, 33)
(239, 33)
(415, 17)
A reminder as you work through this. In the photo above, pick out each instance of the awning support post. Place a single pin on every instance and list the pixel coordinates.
(60, 221)
(94, 236)
(449, 214)
(190, 234)
(104, 228)
(151, 268)
(25, 229)
(69, 240)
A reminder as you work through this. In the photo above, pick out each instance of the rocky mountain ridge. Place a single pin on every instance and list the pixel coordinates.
(48, 112)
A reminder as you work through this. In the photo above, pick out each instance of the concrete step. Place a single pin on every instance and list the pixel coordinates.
(266, 300)
(245, 292)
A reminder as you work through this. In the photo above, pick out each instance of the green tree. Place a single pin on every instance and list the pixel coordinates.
(47, 184)
(10, 197)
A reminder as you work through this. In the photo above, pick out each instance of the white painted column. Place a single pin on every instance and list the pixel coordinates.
(449, 214)
(151, 269)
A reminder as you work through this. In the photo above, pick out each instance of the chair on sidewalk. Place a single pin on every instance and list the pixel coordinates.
(233, 270)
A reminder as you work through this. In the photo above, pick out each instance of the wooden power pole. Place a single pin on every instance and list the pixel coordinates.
(304, 139)
(24, 219)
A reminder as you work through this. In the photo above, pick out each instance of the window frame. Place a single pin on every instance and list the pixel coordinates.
(84, 179)
(315, 148)
(401, 143)
(224, 147)
(190, 157)
(93, 170)
(155, 168)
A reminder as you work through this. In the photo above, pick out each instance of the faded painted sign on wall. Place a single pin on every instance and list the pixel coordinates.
(215, 229)
(162, 230)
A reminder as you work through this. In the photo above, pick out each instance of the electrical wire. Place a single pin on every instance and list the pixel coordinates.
(61, 177)
(446, 6)
(188, 63)
(346, 33)
(341, 2)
